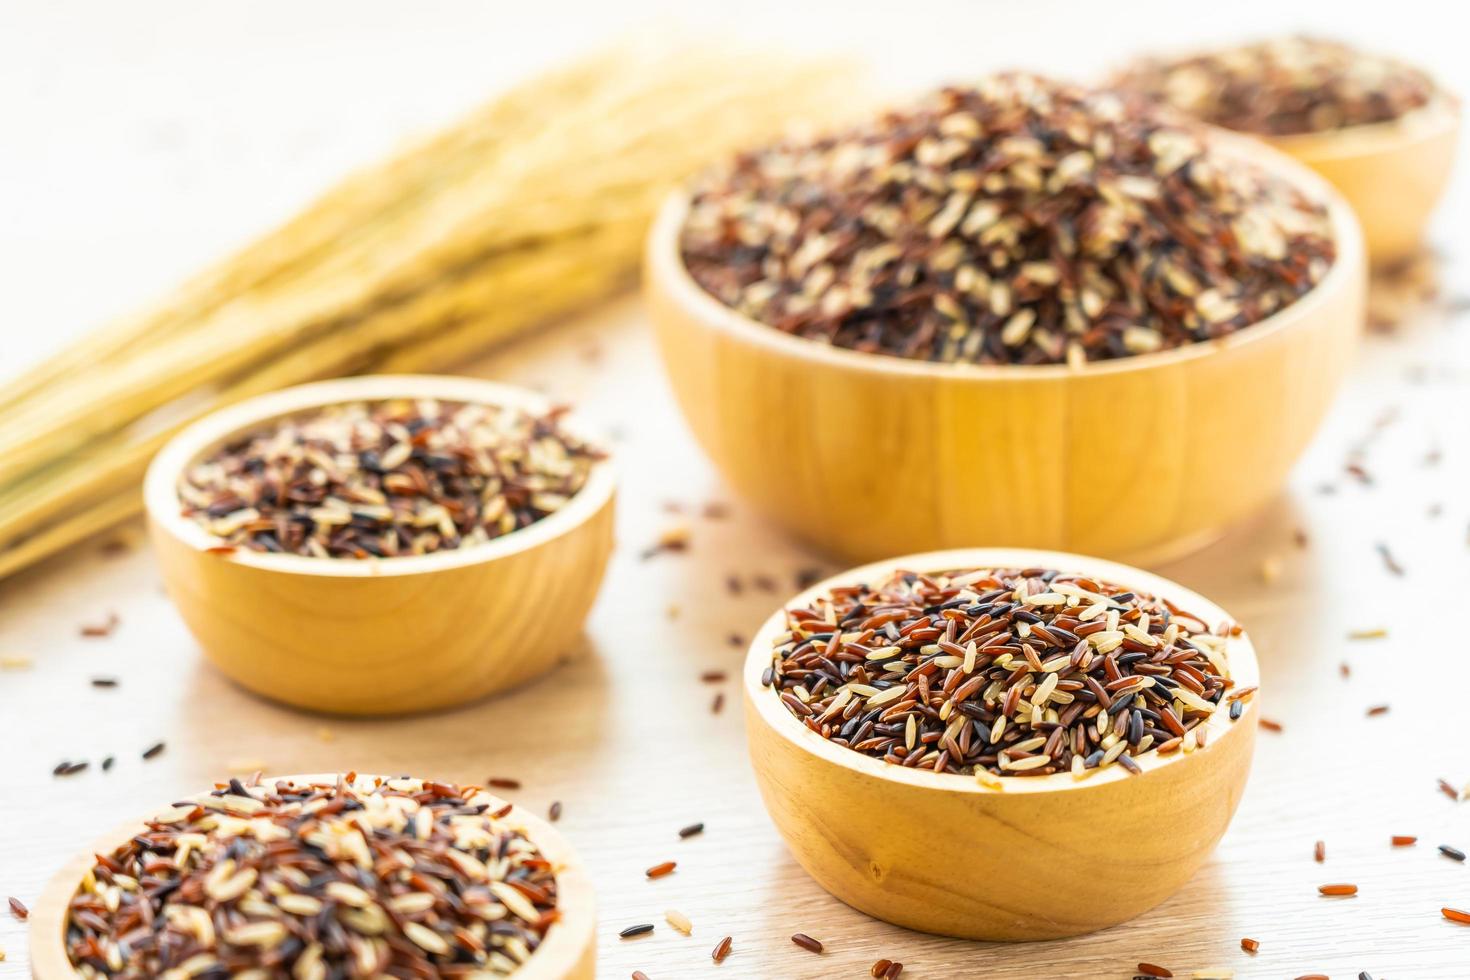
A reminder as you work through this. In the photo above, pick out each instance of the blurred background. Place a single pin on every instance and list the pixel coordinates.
(142, 140)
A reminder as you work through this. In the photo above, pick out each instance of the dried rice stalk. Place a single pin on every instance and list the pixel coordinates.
(530, 208)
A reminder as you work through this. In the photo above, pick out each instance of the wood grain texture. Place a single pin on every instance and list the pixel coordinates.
(623, 734)
(1140, 459)
(371, 638)
(1393, 174)
(624, 737)
(1043, 858)
(568, 951)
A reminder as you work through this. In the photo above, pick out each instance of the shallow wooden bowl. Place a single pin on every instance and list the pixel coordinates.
(1042, 858)
(380, 636)
(1392, 173)
(1143, 458)
(567, 953)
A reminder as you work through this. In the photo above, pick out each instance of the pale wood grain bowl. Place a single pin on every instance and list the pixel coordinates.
(381, 636)
(1392, 173)
(567, 953)
(1043, 857)
(1143, 458)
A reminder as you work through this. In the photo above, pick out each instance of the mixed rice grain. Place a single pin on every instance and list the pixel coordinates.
(1283, 86)
(354, 879)
(386, 479)
(1018, 221)
(1001, 672)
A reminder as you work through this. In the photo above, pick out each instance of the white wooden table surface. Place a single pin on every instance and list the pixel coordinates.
(137, 141)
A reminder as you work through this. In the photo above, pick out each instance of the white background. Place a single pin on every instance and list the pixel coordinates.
(140, 139)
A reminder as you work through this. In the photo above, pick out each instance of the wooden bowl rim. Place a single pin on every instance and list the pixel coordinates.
(1240, 652)
(564, 944)
(1433, 119)
(666, 272)
(162, 502)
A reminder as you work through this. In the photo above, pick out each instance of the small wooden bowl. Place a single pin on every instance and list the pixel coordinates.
(1392, 173)
(1042, 858)
(567, 953)
(1142, 458)
(380, 636)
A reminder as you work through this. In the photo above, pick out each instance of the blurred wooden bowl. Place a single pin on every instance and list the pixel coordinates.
(1042, 858)
(1392, 173)
(380, 636)
(1143, 458)
(567, 953)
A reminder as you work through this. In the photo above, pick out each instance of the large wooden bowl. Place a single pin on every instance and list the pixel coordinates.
(567, 953)
(1142, 458)
(1043, 857)
(1392, 173)
(381, 636)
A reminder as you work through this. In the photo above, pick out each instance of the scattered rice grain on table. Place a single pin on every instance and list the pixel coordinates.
(101, 629)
